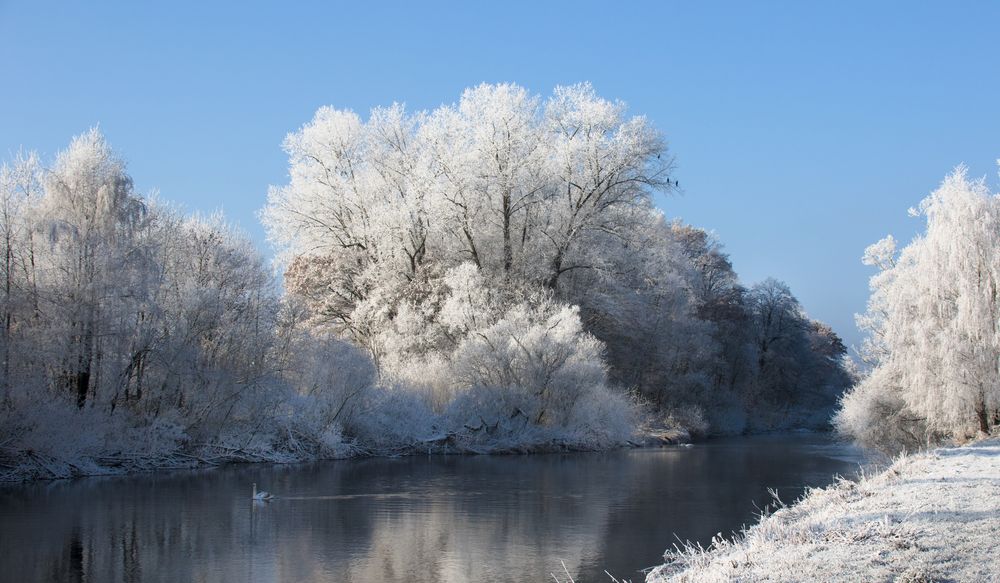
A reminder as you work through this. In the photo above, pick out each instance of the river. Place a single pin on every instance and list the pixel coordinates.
(414, 519)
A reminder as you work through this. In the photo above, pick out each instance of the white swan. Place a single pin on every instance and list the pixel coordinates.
(262, 495)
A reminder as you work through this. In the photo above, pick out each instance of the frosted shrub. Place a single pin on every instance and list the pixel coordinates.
(56, 430)
(302, 430)
(875, 415)
(158, 439)
(392, 419)
(492, 417)
(323, 384)
(537, 366)
(331, 375)
(429, 376)
(56, 439)
(540, 354)
(603, 418)
(690, 418)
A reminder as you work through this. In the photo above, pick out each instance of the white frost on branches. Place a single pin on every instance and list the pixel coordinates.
(933, 326)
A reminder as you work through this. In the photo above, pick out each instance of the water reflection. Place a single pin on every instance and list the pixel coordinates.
(410, 519)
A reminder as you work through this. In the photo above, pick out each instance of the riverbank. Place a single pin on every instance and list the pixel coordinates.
(27, 465)
(932, 516)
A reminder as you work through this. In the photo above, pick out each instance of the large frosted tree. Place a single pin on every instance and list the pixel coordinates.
(525, 190)
(933, 322)
(384, 221)
(541, 202)
(91, 217)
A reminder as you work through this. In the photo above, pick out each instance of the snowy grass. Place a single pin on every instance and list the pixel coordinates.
(933, 516)
(569, 578)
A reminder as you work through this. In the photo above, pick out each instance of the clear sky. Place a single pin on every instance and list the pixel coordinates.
(803, 130)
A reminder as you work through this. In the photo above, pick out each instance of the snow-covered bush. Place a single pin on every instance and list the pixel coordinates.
(54, 438)
(690, 418)
(874, 414)
(330, 376)
(392, 419)
(537, 367)
(604, 418)
(540, 355)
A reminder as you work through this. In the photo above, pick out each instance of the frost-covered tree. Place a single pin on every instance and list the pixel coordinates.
(20, 190)
(525, 190)
(90, 216)
(765, 363)
(796, 370)
(645, 311)
(388, 225)
(932, 322)
(415, 235)
(720, 301)
(136, 305)
(777, 326)
(134, 334)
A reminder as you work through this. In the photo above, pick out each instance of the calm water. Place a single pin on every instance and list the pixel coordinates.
(412, 519)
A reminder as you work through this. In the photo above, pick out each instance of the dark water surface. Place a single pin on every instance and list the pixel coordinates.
(415, 519)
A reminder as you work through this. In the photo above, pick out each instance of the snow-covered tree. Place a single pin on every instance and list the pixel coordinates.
(20, 191)
(932, 321)
(388, 225)
(90, 215)
(411, 234)
(132, 332)
(525, 190)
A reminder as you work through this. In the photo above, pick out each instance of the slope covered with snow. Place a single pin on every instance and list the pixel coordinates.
(929, 517)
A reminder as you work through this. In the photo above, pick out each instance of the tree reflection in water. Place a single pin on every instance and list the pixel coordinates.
(410, 519)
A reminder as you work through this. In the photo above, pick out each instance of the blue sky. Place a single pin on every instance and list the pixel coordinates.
(803, 130)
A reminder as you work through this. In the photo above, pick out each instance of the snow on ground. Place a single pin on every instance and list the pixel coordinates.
(933, 516)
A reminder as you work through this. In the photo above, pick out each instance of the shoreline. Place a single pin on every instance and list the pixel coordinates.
(438, 446)
(929, 516)
(192, 461)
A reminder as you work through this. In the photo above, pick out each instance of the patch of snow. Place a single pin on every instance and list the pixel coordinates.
(928, 517)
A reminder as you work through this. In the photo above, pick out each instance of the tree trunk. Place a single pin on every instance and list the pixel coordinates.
(81, 380)
(472, 246)
(7, 324)
(508, 251)
(982, 415)
(82, 383)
